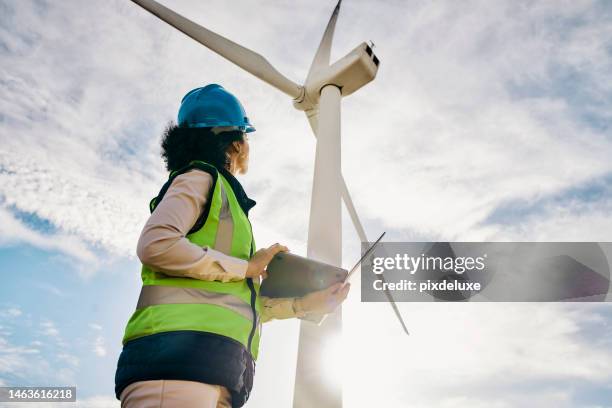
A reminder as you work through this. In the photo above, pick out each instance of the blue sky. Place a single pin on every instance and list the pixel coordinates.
(487, 121)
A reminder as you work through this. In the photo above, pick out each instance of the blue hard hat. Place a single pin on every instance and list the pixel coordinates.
(212, 106)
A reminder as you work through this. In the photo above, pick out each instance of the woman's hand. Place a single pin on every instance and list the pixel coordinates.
(323, 301)
(261, 259)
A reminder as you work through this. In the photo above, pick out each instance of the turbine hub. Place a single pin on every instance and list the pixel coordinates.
(349, 73)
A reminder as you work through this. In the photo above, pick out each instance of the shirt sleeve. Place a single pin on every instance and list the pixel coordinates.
(163, 246)
(276, 308)
(282, 308)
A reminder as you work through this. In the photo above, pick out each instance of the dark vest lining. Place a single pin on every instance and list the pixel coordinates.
(193, 165)
(187, 355)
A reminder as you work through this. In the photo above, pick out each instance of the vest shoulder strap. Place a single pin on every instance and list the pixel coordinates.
(196, 164)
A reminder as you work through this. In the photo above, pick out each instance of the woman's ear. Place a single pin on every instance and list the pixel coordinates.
(237, 146)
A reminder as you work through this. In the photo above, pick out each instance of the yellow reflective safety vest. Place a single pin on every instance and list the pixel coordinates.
(220, 319)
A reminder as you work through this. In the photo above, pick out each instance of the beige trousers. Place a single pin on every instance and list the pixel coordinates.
(174, 394)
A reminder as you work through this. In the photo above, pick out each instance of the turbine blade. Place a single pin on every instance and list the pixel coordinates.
(348, 203)
(394, 307)
(243, 57)
(321, 58)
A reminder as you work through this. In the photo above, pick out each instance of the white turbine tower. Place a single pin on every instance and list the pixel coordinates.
(319, 98)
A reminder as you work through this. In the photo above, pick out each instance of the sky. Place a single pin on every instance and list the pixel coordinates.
(488, 121)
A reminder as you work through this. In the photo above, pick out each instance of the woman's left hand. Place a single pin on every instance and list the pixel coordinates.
(261, 259)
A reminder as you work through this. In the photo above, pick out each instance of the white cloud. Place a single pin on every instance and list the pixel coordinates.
(458, 139)
(69, 358)
(49, 328)
(15, 232)
(95, 326)
(462, 354)
(99, 348)
(8, 348)
(10, 312)
(14, 359)
(97, 401)
(48, 287)
(479, 116)
(29, 366)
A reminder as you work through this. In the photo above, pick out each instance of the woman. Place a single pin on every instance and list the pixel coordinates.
(194, 337)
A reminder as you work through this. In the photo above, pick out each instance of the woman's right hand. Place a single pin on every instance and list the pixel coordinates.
(323, 301)
(261, 259)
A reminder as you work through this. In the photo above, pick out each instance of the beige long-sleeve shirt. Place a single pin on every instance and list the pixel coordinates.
(163, 246)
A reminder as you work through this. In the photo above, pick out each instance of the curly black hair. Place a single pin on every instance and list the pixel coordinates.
(180, 145)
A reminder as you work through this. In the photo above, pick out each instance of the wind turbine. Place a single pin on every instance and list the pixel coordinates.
(320, 98)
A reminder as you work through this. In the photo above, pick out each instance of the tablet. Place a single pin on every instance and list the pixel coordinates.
(292, 275)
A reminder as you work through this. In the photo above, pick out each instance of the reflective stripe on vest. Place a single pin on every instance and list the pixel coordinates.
(225, 229)
(151, 295)
(168, 303)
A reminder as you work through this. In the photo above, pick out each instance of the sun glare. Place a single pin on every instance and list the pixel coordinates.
(334, 361)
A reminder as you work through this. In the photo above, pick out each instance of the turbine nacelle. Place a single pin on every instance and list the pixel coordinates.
(349, 73)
